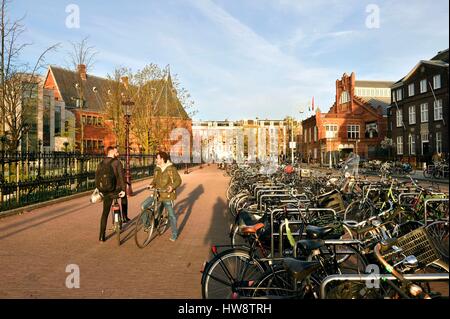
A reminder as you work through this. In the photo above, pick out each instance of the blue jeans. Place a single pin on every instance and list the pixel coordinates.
(172, 218)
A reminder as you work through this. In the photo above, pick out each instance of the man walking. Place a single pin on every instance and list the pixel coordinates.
(110, 181)
(168, 180)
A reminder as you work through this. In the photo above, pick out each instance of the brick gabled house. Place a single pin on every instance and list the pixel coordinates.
(356, 122)
(79, 99)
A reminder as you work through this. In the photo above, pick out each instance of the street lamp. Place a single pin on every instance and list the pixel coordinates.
(301, 115)
(127, 103)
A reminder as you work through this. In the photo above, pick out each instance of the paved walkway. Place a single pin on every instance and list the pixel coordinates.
(36, 247)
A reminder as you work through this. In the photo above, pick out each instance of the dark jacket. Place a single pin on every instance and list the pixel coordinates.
(165, 176)
(118, 173)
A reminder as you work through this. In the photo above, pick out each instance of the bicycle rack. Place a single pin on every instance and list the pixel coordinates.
(272, 233)
(371, 277)
(263, 207)
(429, 201)
(295, 222)
(334, 242)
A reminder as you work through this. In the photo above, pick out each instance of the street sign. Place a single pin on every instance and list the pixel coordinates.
(292, 145)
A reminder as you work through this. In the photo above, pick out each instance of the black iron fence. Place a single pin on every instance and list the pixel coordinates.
(28, 178)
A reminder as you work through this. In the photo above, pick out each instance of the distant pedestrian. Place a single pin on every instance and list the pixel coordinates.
(110, 181)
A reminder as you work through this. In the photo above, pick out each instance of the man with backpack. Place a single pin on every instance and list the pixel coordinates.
(110, 181)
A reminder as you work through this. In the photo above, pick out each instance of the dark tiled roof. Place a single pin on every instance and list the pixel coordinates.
(373, 84)
(66, 81)
(167, 104)
(441, 56)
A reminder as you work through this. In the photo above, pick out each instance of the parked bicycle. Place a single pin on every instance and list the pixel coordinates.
(313, 237)
(152, 220)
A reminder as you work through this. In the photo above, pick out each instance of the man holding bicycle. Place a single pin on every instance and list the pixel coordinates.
(166, 177)
(110, 181)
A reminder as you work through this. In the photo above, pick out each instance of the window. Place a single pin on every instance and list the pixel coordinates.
(331, 131)
(310, 134)
(399, 145)
(89, 120)
(424, 112)
(399, 118)
(399, 94)
(345, 97)
(315, 153)
(411, 89)
(412, 144)
(425, 140)
(423, 86)
(353, 131)
(438, 110)
(371, 130)
(438, 142)
(304, 136)
(315, 133)
(412, 114)
(83, 119)
(57, 120)
(437, 81)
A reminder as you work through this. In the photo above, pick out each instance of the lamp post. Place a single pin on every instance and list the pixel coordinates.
(127, 103)
(301, 115)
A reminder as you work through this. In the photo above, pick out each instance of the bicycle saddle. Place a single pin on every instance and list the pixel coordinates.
(248, 230)
(316, 232)
(248, 218)
(307, 245)
(300, 269)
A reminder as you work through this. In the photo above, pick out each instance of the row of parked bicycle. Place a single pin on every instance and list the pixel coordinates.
(329, 237)
(438, 170)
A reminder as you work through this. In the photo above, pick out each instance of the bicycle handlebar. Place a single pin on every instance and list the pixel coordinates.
(395, 273)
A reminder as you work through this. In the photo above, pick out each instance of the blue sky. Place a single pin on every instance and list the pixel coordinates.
(246, 58)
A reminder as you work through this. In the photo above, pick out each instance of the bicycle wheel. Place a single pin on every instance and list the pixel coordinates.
(229, 271)
(118, 228)
(278, 283)
(144, 227)
(237, 239)
(275, 282)
(438, 231)
(358, 211)
(163, 222)
(427, 173)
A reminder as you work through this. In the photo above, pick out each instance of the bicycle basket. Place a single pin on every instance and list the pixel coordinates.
(417, 243)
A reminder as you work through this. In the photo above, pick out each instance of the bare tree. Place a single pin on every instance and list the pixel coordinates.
(19, 80)
(82, 53)
(113, 108)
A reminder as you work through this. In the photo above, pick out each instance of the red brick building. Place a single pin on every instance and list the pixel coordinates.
(80, 100)
(357, 122)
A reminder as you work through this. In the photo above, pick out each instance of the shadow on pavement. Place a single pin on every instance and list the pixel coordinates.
(184, 207)
(220, 225)
(75, 210)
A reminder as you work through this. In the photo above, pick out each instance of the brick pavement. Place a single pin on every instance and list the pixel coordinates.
(36, 247)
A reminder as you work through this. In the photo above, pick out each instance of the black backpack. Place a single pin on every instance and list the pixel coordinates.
(105, 179)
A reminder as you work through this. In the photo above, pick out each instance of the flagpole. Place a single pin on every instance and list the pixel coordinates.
(435, 101)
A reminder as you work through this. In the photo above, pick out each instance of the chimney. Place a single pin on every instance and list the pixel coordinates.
(82, 71)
